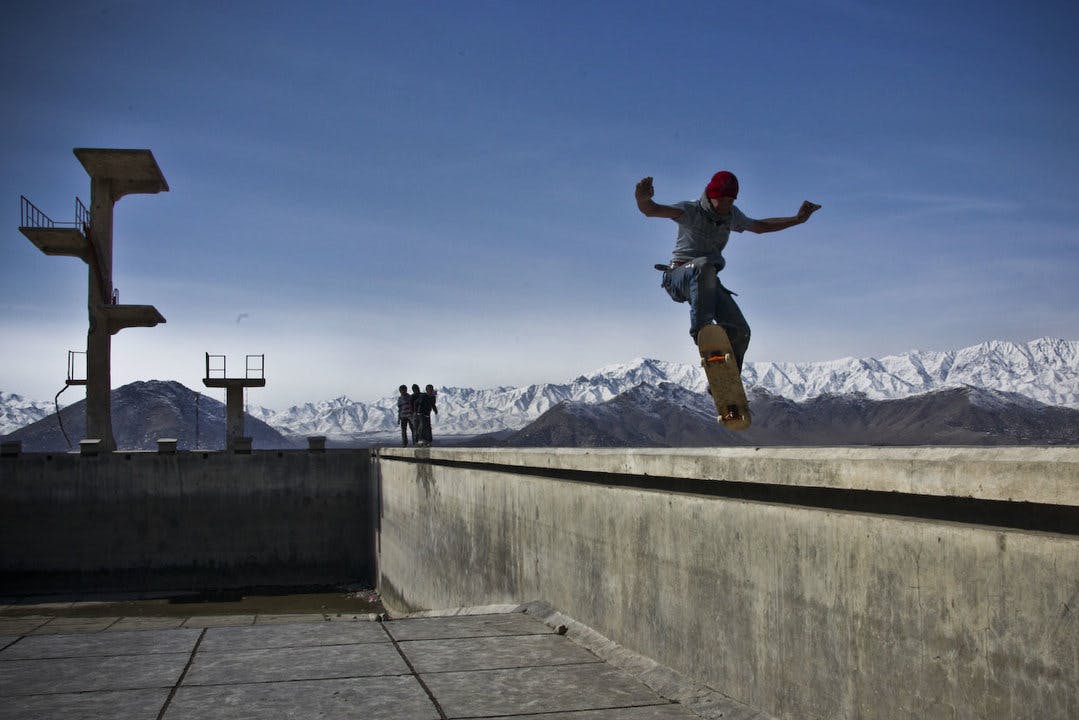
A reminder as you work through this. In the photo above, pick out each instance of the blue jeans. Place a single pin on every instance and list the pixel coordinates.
(698, 284)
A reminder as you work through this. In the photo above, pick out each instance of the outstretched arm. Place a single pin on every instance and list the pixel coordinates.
(646, 205)
(775, 224)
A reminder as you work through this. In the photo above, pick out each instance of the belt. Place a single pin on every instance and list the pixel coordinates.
(674, 264)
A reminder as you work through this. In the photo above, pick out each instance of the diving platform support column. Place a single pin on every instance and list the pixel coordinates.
(98, 337)
(234, 394)
(113, 173)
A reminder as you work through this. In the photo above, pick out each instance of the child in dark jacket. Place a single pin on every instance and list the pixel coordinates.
(424, 405)
(405, 415)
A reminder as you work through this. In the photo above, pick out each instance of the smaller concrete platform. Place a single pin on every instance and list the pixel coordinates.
(495, 665)
(230, 383)
(121, 317)
(63, 241)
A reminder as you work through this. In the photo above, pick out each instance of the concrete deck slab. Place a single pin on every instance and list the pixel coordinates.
(48, 604)
(462, 626)
(102, 644)
(354, 617)
(283, 664)
(503, 665)
(375, 698)
(86, 706)
(212, 621)
(647, 712)
(146, 623)
(89, 674)
(523, 691)
(493, 653)
(22, 625)
(288, 619)
(63, 625)
(263, 637)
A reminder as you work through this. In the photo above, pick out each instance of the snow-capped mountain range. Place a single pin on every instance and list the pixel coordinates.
(1045, 370)
(16, 411)
(671, 416)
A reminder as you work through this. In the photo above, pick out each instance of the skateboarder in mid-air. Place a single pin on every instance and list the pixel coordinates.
(703, 229)
(692, 276)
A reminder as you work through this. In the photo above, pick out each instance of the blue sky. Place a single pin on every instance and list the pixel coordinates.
(378, 193)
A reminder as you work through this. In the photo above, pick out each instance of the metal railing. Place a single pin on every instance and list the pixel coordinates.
(82, 217)
(76, 359)
(30, 215)
(255, 364)
(211, 366)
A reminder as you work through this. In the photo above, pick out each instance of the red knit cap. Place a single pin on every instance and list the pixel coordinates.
(724, 184)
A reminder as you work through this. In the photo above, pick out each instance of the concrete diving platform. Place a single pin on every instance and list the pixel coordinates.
(237, 383)
(63, 241)
(128, 171)
(119, 317)
(234, 394)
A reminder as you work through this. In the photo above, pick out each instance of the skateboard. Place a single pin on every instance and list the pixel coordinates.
(724, 378)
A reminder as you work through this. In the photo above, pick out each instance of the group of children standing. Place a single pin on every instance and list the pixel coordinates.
(414, 411)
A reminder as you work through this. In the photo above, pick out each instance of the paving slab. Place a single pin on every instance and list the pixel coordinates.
(74, 625)
(370, 698)
(21, 625)
(260, 637)
(669, 711)
(492, 653)
(306, 663)
(462, 626)
(524, 691)
(507, 665)
(47, 603)
(146, 623)
(209, 621)
(128, 704)
(131, 642)
(88, 674)
(289, 619)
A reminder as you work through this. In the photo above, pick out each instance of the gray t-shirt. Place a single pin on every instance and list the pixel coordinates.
(702, 233)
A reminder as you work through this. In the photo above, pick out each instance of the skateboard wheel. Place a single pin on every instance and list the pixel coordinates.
(726, 358)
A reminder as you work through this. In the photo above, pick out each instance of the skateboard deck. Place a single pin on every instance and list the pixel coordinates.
(724, 378)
